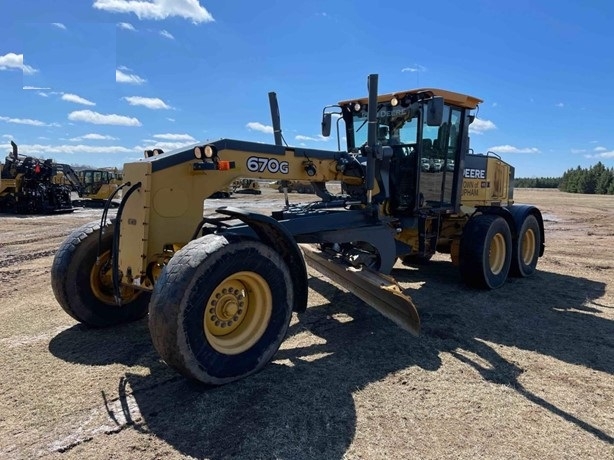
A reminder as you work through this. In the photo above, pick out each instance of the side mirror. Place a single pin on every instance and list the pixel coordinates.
(434, 111)
(326, 124)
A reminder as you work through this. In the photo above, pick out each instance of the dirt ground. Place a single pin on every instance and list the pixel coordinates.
(525, 371)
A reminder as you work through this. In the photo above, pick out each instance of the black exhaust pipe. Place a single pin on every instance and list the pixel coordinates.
(371, 135)
(275, 118)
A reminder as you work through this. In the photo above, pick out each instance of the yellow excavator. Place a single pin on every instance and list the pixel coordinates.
(220, 291)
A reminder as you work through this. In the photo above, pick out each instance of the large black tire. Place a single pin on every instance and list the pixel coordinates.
(217, 284)
(525, 249)
(485, 251)
(84, 288)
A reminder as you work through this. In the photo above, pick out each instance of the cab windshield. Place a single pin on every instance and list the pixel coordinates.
(393, 126)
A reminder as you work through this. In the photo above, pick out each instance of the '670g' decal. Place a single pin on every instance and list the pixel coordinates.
(260, 164)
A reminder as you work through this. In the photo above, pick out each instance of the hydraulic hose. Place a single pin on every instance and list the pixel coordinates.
(105, 211)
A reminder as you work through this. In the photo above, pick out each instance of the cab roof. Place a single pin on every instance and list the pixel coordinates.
(450, 97)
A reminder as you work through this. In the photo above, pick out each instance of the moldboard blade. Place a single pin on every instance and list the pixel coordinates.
(379, 291)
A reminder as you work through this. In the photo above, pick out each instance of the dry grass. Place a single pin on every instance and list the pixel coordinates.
(522, 372)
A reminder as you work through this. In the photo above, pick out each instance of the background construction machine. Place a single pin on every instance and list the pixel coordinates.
(246, 186)
(242, 186)
(298, 186)
(95, 186)
(220, 291)
(27, 186)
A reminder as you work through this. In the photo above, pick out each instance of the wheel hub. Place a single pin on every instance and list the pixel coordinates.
(227, 307)
(237, 312)
(496, 255)
(101, 282)
(528, 244)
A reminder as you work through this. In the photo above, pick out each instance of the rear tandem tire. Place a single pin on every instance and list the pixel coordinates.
(84, 289)
(525, 249)
(485, 251)
(221, 308)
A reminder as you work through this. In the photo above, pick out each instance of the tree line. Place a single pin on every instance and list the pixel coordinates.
(598, 179)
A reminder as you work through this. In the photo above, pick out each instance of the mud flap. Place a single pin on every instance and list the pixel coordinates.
(379, 291)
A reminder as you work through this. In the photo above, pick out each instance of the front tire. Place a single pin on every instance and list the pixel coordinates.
(525, 248)
(83, 286)
(221, 308)
(485, 251)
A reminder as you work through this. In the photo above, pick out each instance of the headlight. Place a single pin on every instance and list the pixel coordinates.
(394, 102)
(198, 153)
(209, 151)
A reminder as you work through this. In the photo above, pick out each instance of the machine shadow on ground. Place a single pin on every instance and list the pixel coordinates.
(302, 406)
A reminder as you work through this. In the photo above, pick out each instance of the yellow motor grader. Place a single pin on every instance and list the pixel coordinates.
(220, 291)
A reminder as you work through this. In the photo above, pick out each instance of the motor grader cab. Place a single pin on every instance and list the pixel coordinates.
(97, 186)
(220, 290)
(27, 186)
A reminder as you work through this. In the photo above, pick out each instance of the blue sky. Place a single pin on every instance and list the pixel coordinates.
(97, 81)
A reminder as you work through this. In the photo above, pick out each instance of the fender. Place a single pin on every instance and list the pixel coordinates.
(519, 213)
(275, 235)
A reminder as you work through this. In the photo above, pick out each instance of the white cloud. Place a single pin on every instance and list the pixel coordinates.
(27, 121)
(155, 144)
(121, 77)
(256, 126)
(602, 153)
(96, 118)
(414, 68)
(576, 151)
(34, 87)
(7, 136)
(76, 99)
(171, 119)
(511, 149)
(38, 149)
(93, 136)
(175, 137)
(480, 126)
(59, 25)
(157, 9)
(126, 26)
(40, 93)
(12, 61)
(560, 104)
(319, 138)
(167, 34)
(153, 103)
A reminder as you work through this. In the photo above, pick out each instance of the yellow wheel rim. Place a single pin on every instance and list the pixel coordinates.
(238, 312)
(101, 282)
(527, 246)
(496, 254)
